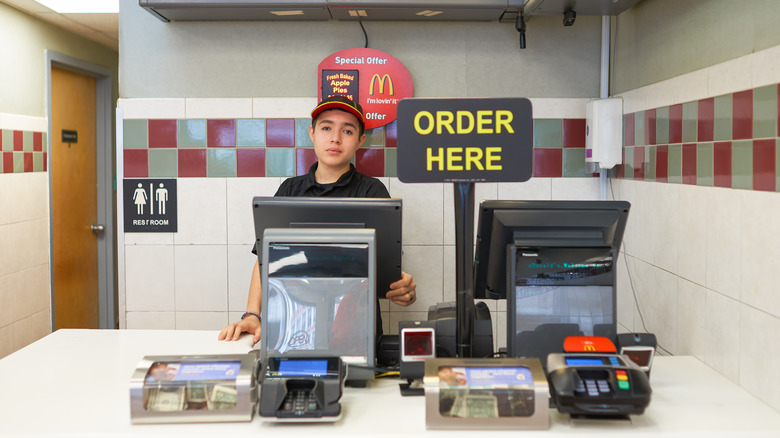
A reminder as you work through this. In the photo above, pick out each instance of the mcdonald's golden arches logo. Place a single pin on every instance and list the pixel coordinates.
(381, 81)
(590, 348)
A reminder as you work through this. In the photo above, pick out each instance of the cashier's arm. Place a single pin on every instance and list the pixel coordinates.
(403, 292)
(250, 324)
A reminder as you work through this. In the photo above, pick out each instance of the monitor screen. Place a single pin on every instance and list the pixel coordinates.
(383, 215)
(540, 224)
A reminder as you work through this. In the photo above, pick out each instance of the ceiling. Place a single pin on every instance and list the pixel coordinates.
(101, 28)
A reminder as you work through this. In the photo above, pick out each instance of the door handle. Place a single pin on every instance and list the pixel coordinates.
(97, 228)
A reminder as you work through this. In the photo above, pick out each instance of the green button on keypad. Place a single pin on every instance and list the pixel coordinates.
(622, 384)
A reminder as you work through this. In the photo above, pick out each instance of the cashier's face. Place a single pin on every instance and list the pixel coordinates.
(336, 137)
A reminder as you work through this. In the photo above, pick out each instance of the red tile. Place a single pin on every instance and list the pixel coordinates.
(639, 162)
(304, 158)
(37, 141)
(675, 123)
(192, 162)
(280, 132)
(628, 129)
(221, 133)
(662, 163)
(778, 111)
(706, 116)
(8, 162)
(742, 111)
(548, 162)
(689, 163)
(764, 171)
(18, 140)
(650, 122)
(722, 163)
(370, 161)
(162, 133)
(391, 134)
(28, 161)
(45, 162)
(574, 133)
(250, 162)
(136, 163)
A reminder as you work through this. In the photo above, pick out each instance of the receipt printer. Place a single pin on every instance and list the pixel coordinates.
(302, 389)
(597, 384)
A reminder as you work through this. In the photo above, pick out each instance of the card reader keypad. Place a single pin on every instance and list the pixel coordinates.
(299, 403)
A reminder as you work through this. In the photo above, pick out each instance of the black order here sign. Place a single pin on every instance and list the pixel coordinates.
(465, 140)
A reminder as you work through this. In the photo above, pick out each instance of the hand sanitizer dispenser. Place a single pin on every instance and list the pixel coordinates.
(604, 132)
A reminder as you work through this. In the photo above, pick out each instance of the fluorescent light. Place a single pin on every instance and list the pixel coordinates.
(82, 6)
(285, 13)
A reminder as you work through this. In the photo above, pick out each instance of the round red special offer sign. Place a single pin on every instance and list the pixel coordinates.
(370, 77)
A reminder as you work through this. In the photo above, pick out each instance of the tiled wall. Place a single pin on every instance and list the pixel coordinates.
(730, 140)
(702, 245)
(24, 233)
(198, 278)
(276, 147)
(22, 151)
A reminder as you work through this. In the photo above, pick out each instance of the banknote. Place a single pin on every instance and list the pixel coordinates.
(475, 406)
(222, 397)
(196, 392)
(166, 399)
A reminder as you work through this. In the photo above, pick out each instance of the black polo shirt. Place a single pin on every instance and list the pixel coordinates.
(352, 184)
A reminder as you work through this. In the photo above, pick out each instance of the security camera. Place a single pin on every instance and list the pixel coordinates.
(569, 16)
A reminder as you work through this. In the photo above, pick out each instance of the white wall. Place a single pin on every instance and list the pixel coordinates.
(701, 262)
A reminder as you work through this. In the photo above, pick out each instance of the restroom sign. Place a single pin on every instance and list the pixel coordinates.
(150, 205)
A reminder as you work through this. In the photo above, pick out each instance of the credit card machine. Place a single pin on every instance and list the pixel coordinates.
(597, 384)
(302, 389)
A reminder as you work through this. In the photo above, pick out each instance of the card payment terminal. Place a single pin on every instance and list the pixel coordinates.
(302, 389)
(597, 384)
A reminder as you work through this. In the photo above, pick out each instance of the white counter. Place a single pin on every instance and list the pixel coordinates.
(75, 383)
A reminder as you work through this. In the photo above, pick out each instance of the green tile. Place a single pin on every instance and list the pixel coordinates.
(705, 164)
(690, 124)
(375, 137)
(27, 141)
(8, 140)
(18, 162)
(250, 133)
(574, 164)
(765, 112)
(742, 164)
(650, 163)
(628, 171)
(639, 128)
(1, 164)
(662, 125)
(221, 162)
(136, 134)
(45, 140)
(391, 163)
(302, 138)
(280, 162)
(37, 161)
(777, 165)
(191, 133)
(675, 163)
(548, 133)
(723, 117)
(163, 163)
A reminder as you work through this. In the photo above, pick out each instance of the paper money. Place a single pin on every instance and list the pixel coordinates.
(196, 393)
(222, 397)
(167, 399)
(481, 406)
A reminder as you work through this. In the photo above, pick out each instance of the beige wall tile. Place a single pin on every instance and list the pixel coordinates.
(756, 351)
(150, 278)
(723, 334)
(202, 211)
(691, 329)
(151, 320)
(201, 278)
(201, 321)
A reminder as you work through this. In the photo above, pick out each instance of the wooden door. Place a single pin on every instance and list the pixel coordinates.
(74, 201)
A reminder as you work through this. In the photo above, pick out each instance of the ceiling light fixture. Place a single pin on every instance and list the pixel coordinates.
(82, 6)
(286, 13)
(429, 13)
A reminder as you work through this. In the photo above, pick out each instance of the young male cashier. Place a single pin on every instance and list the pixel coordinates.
(337, 132)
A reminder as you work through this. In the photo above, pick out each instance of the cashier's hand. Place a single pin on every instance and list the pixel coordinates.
(403, 292)
(250, 324)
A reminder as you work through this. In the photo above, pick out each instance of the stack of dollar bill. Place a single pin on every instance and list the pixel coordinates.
(475, 406)
(193, 396)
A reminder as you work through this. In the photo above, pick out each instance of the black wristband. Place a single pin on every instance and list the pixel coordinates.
(252, 313)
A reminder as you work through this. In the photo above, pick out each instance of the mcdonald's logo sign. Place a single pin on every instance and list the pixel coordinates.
(589, 348)
(381, 81)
